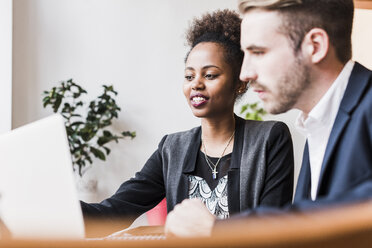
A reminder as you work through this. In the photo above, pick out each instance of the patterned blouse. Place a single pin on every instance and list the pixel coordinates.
(215, 200)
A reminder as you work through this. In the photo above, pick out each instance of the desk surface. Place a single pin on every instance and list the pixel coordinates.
(347, 226)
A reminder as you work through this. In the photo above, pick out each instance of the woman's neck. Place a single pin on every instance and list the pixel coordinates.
(216, 134)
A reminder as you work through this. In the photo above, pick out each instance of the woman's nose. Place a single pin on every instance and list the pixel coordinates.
(197, 83)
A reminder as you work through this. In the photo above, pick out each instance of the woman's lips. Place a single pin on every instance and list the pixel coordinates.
(198, 100)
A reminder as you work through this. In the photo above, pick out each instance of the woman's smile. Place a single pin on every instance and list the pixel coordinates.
(198, 100)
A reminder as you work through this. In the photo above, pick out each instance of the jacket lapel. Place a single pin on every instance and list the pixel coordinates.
(356, 86)
(304, 179)
(233, 183)
(188, 165)
(189, 162)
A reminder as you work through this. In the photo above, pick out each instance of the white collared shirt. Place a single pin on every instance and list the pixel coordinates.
(319, 122)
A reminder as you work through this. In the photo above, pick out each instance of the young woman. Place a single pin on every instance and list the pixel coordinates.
(230, 164)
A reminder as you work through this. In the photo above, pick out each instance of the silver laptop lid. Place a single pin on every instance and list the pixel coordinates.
(37, 188)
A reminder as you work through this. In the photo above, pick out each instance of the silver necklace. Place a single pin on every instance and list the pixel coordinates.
(211, 165)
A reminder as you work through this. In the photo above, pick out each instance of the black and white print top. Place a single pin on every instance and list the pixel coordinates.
(212, 192)
(215, 200)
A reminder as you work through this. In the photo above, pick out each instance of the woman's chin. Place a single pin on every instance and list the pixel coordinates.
(199, 114)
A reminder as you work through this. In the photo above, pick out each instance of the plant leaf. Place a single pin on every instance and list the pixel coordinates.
(107, 150)
(98, 153)
(244, 108)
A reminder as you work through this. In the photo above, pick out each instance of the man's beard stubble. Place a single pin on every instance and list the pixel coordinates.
(290, 87)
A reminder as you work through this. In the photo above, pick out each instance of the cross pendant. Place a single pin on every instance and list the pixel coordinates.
(214, 172)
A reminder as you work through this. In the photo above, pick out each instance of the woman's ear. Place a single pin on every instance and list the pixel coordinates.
(316, 45)
(242, 87)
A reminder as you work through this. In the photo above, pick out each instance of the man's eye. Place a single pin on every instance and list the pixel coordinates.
(210, 76)
(258, 52)
(189, 78)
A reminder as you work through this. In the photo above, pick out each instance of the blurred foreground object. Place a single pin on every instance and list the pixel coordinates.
(343, 226)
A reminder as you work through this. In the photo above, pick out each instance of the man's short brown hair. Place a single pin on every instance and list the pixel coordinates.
(300, 16)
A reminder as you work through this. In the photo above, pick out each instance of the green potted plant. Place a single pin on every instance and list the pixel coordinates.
(252, 111)
(88, 135)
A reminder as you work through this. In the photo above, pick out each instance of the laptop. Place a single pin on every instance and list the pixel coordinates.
(38, 197)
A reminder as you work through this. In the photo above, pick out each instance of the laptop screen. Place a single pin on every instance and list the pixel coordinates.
(37, 188)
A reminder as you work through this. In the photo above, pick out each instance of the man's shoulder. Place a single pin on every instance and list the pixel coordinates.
(365, 104)
(357, 96)
(365, 77)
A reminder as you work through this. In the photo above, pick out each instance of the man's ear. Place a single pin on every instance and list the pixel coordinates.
(316, 45)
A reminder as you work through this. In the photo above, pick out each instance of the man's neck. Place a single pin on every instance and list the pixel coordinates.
(321, 80)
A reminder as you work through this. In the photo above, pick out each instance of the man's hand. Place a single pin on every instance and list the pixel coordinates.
(190, 218)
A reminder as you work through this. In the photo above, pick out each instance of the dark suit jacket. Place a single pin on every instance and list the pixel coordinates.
(261, 172)
(346, 173)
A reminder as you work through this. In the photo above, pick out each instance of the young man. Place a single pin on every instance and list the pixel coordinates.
(298, 56)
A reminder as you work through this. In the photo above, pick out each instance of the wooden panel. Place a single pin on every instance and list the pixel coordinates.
(363, 4)
(347, 226)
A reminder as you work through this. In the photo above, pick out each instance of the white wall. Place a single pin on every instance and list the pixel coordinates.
(5, 65)
(138, 46)
(362, 37)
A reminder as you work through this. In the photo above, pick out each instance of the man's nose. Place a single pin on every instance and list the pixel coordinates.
(247, 72)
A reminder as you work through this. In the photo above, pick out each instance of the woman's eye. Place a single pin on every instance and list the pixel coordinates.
(210, 76)
(188, 77)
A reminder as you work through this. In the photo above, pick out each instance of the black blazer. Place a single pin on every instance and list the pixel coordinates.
(261, 172)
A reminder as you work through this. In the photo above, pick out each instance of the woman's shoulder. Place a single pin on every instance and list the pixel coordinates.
(182, 136)
(264, 125)
(191, 132)
(264, 129)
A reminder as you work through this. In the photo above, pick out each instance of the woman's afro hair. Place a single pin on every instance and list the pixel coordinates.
(221, 26)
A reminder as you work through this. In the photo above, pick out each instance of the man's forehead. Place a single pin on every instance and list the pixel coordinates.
(261, 16)
(261, 22)
(261, 28)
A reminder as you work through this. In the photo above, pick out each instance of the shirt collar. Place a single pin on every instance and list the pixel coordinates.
(325, 111)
